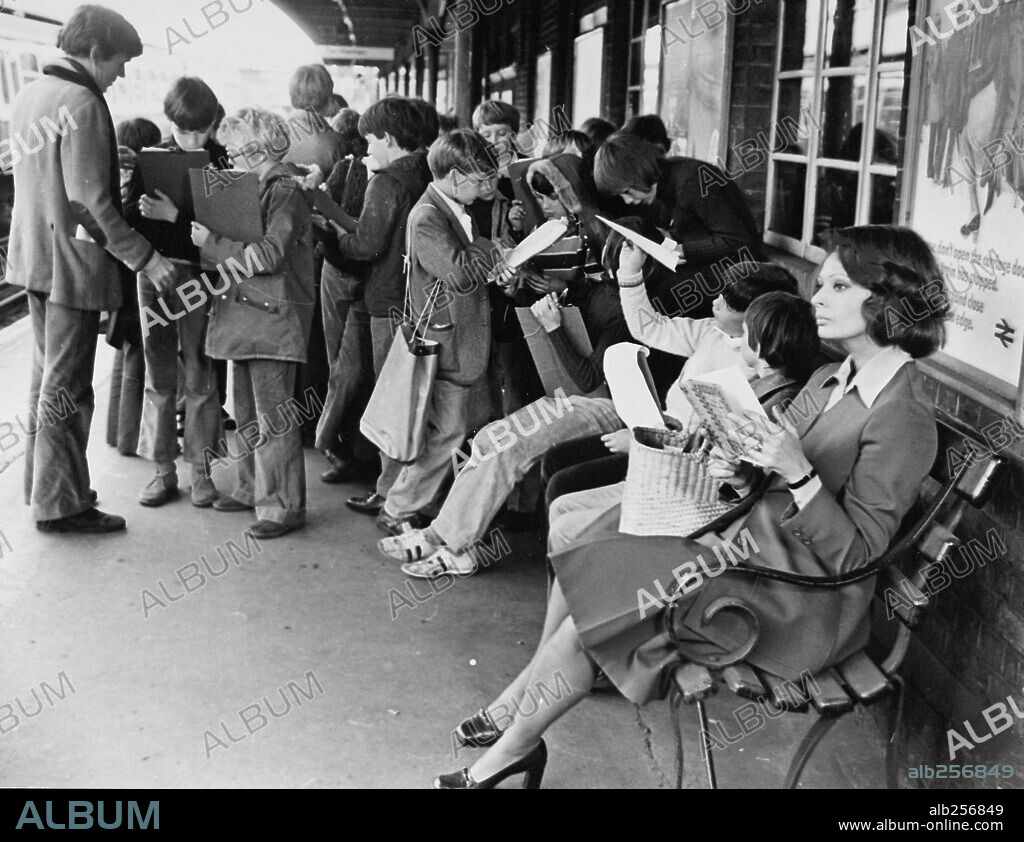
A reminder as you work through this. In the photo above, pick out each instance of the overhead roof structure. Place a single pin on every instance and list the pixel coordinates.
(360, 29)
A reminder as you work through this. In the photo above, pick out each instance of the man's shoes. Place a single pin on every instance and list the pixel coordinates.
(340, 471)
(161, 489)
(228, 503)
(266, 529)
(368, 504)
(397, 525)
(204, 492)
(89, 522)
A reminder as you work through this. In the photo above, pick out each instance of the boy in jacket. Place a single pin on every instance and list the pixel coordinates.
(191, 107)
(262, 324)
(393, 131)
(448, 264)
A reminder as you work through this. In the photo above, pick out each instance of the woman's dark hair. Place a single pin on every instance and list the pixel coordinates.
(746, 280)
(598, 130)
(904, 279)
(138, 133)
(97, 26)
(782, 330)
(190, 104)
(430, 124)
(649, 127)
(627, 162)
(396, 116)
(561, 142)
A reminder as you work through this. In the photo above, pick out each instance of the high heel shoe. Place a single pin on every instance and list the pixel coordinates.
(532, 765)
(479, 731)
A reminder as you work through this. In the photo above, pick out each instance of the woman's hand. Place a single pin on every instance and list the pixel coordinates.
(517, 216)
(161, 208)
(200, 234)
(547, 312)
(619, 441)
(772, 446)
(737, 474)
(631, 259)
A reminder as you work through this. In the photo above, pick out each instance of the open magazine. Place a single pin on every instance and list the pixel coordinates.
(713, 396)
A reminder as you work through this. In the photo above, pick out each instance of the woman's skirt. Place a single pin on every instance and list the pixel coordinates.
(617, 601)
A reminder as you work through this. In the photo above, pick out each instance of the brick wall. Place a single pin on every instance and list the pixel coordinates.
(750, 94)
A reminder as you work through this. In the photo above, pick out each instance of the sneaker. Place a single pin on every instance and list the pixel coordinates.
(443, 562)
(408, 546)
(397, 525)
(161, 489)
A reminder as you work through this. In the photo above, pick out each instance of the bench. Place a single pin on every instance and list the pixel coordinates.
(926, 538)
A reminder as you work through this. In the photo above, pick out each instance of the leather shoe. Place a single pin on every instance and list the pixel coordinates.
(340, 470)
(90, 522)
(271, 529)
(161, 489)
(368, 504)
(204, 492)
(230, 504)
(397, 525)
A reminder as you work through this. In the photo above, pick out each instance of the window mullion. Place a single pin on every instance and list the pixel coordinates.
(814, 140)
(870, 108)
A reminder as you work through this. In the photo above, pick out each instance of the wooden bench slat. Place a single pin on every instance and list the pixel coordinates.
(694, 682)
(785, 693)
(743, 681)
(827, 694)
(866, 680)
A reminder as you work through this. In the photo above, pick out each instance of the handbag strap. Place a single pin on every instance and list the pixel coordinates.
(425, 315)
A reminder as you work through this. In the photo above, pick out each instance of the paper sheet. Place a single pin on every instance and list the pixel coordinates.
(662, 252)
(632, 388)
(544, 237)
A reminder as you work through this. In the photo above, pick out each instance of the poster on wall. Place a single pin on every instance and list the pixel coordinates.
(968, 181)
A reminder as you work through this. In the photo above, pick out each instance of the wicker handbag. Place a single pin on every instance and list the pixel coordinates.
(668, 491)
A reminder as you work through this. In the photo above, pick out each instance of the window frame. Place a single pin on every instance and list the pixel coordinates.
(865, 167)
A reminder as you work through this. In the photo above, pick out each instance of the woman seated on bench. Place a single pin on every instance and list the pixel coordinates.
(840, 482)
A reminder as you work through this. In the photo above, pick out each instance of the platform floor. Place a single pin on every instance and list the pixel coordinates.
(153, 687)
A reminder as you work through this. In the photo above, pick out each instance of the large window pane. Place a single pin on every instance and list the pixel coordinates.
(848, 32)
(894, 30)
(887, 117)
(652, 69)
(800, 34)
(835, 201)
(787, 211)
(842, 117)
(882, 210)
(795, 115)
(587, 76)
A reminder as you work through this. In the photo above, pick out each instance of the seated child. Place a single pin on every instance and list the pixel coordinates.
(263, 324)
(780, 342)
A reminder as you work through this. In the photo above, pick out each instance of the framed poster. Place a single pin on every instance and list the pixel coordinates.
(964, 189)
(695, 79)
